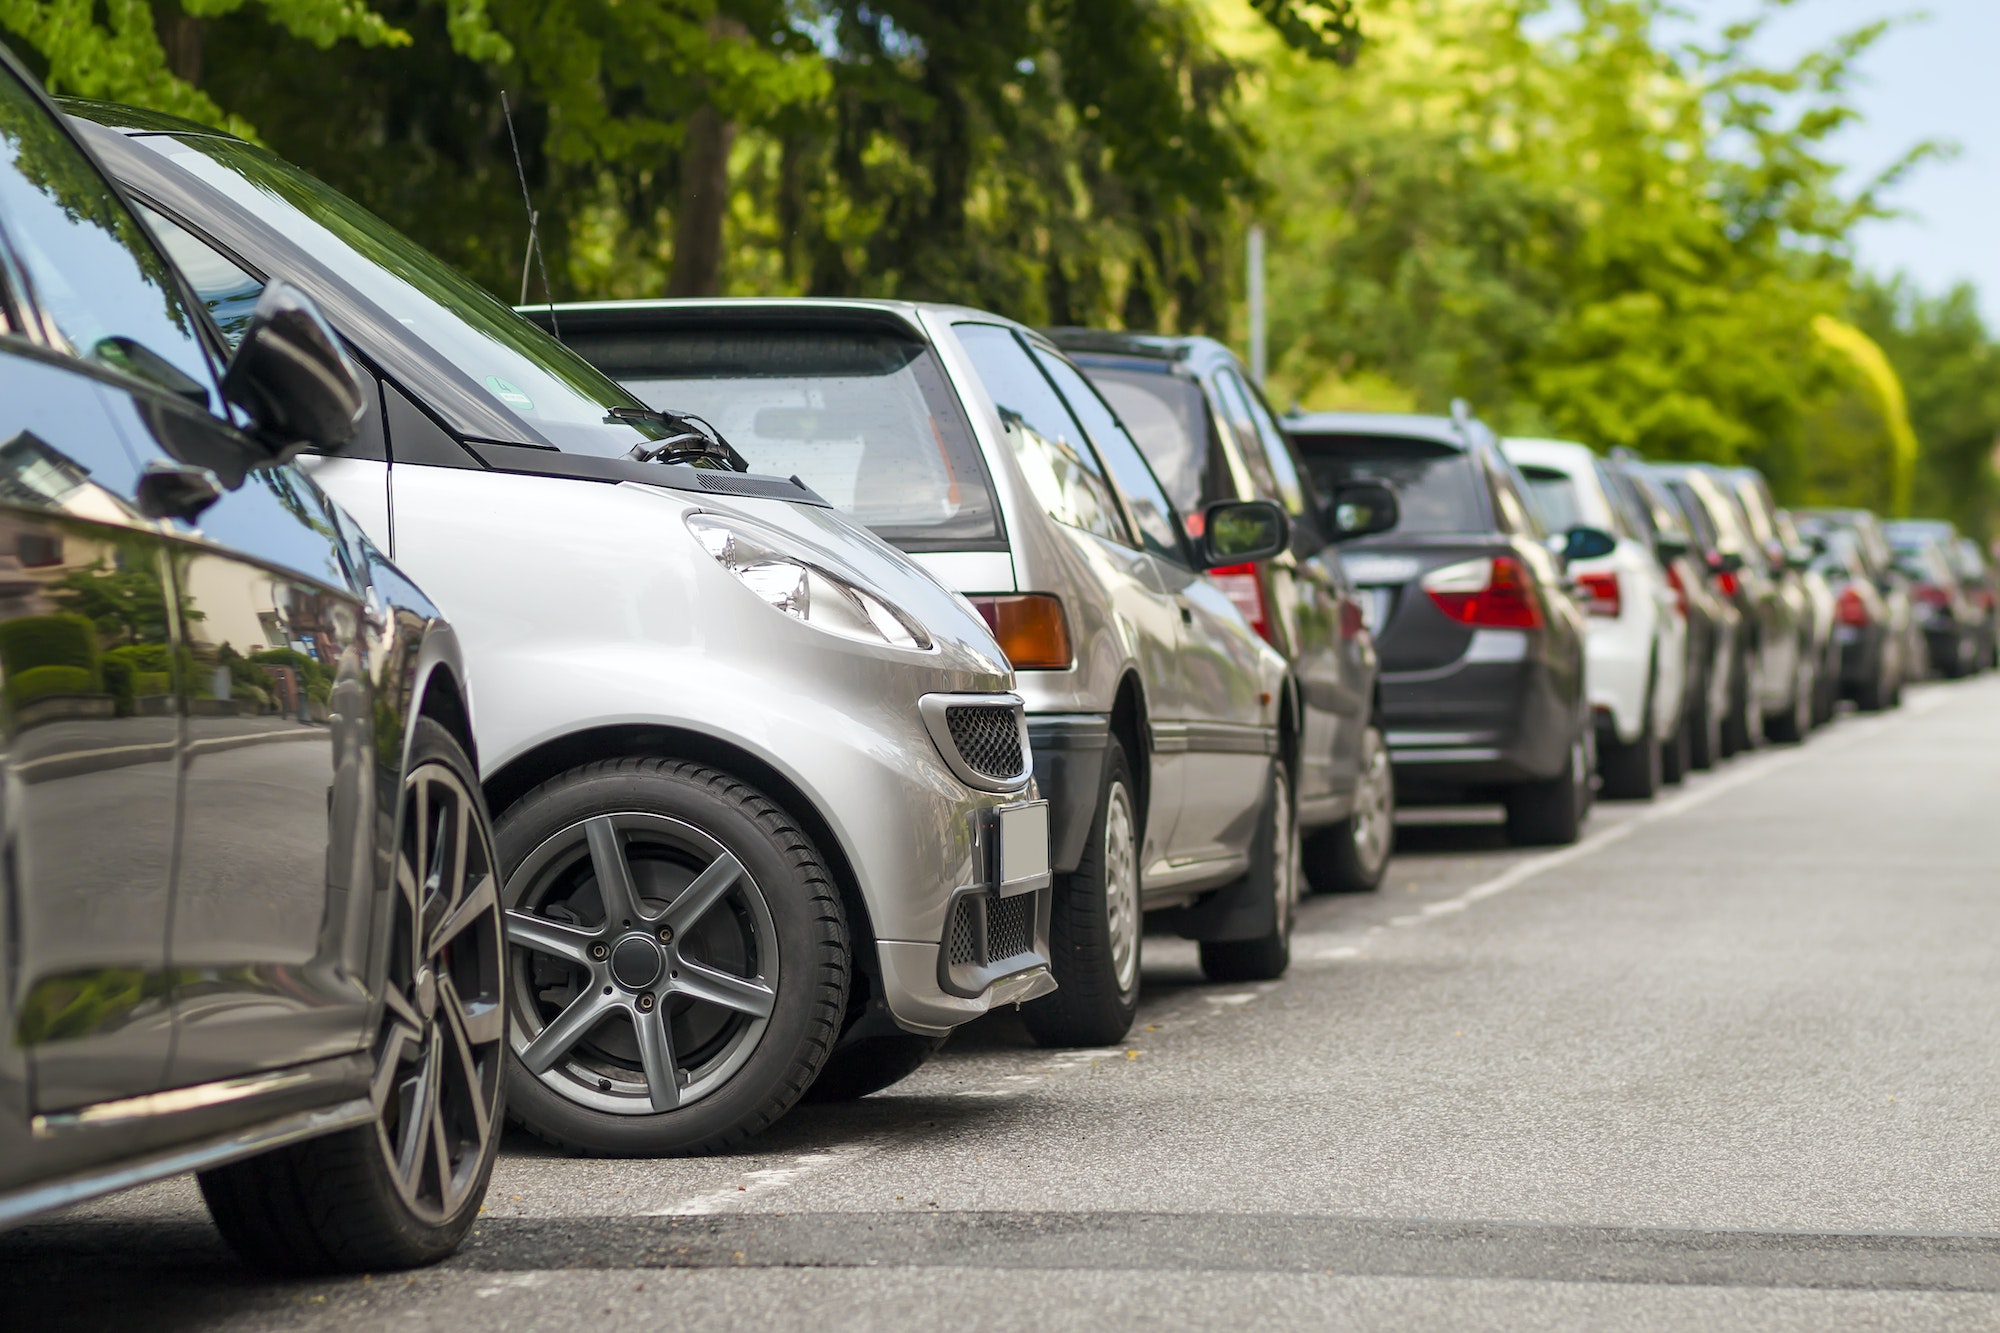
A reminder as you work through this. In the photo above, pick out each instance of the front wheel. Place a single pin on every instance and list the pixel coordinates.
(1274, 863)
(680, 959)
(403, 1191)
(1353, 855)
(1095, 928)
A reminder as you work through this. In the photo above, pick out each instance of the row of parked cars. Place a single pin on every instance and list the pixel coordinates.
(632, 719)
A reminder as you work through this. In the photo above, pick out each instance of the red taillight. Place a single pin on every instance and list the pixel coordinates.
(1244, 585)
(1600, 592)
(1931, 595)
(1850, 609)
(1352, 621)
(1487, 594)
(1680, 591)
(1725, 582)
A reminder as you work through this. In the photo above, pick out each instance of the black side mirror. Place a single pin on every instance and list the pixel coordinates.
(1587, 543)
(291, 376)
(1361, 509)
(1670, 546)
(1726, 562)
(1236, 532)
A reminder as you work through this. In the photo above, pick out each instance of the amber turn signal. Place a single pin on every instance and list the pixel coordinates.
(1030, 628)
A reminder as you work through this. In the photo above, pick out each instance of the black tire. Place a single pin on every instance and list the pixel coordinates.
(1742, 728)
(1632, 772)
(1353, 855)
(1092, 923)
(1550, 813)
(1677, 750)
(1791, 725)
(870, 1065)
(1274, 870)
(1877, 692)
(342, 1203)
(1704, 732)
(601, 1090)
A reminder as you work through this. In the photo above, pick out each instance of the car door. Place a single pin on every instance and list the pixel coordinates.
(269, 965)
(1220, 701)
(88, 649)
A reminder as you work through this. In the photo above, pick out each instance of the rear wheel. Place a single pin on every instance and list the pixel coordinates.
(1677, 750)
(1274, 863)
(1878, 691)
(1632, 772)
(1704, 731)
(1353, 855)
(1790, 726)
(404, 1190)
(871, 1065)
(680, 959)
(1550, 813)
(1096, 931)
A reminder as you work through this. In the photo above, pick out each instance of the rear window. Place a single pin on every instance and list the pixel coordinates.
(1437, 486)
(1554, 495)
(1168, 418)
(865, 418)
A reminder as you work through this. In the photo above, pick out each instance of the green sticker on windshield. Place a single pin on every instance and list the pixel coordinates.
(510, 395)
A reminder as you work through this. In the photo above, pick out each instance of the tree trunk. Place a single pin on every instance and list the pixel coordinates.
(703, 206)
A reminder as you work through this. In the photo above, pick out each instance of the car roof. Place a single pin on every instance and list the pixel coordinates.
(1164, 352)
(135, 120)
(1389, 425)
(1566, 453)
(635, 311)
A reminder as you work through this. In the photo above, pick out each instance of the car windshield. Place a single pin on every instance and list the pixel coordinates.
(863, 416)
(1437, 486)
(515, 375)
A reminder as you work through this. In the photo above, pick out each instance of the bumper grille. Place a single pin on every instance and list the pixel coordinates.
(988, 737)
(1010, 926)
(964, 948)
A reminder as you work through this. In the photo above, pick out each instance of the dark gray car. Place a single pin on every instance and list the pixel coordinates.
(249, 923)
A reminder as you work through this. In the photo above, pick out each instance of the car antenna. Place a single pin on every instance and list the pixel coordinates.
(534, 219)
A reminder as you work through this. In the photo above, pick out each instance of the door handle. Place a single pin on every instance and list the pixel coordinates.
(176, 490)
(1187, 612)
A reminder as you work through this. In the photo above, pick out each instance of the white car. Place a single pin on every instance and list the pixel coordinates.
(1635, 652)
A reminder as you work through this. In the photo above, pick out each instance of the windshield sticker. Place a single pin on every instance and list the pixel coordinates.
(510, 395)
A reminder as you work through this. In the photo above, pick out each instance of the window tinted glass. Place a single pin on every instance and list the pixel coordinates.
(1554, 496)
(96, 274)
(1168, 419)
(1143, 496)
(1053, 451)
(1437, 486)
(1265, 450)
(865, 418)
(522, 378)
(227, 291)
(1510, 499)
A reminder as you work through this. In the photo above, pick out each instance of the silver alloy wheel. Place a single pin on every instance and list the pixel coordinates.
(1374, 818)
(1121, 887)
(438, 1060)
(646, 963)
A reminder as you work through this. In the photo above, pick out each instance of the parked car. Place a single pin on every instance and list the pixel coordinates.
(1636, 642)
(1164, 734)
(249, 911)
(1192, 410)
(1712, 620)
(1972, 574)
(1976, 571)
(1820, 595)
(1798, 610)
(765, 816)
(1873, 625)
(1483, 685)
(1948, 611)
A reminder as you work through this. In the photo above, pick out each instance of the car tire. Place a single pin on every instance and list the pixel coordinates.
(1742, 728)
(1274, 869)
(1877, 692)
(1550, 813)
(731, 1015)
(1096, 927)
(1677, 750)
(1353, 855)
(1791, 725)
(1632, 772)
(870, 1065)
(1704, 732)
(383, 1196)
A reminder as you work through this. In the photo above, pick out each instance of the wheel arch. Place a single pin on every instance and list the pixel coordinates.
(1129, 727)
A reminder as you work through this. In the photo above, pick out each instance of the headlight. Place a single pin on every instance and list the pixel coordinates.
(791, 583)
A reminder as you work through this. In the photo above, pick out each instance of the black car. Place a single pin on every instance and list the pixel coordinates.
(1210, 437)
(1946, 607)
(248, 925)
(1975, 583)
(1481, 643)
(1872, 622)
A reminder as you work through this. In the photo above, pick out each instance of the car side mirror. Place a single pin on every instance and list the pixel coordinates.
(1670, 546)
(1236, 532)
(292, 378)
(1726, 562)
(1587, 543)
(1362, 509)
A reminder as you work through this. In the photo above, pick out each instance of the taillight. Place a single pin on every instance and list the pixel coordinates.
(1352, 621)
(1850, 609)
(1030, 629)
(1726, 581)
(1487, 594)
(1931, 595)
(1600, 592)
(1680, 591)
(1243, 585)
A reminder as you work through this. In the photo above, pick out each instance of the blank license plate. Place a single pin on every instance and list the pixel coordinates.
(1022, 847)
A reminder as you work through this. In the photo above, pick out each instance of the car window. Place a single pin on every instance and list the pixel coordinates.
(1235, 407)
(1553, 494)
(96, 275)
(229, 293)
(864, 416)
(1508, 497)
(1437, 486)
(1115, 449)
(1053, 451)
(1168, 419)
(1267, 453)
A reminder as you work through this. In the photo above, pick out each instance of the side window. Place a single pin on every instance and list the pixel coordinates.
(96, 275)
(229, 293)
(1269, 453)
(1115, 448)
(1053, 451)
(1235, 405)
(1625, 520)
(1513, 511)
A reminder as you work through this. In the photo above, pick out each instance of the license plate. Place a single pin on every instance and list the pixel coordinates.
(1021, 847)
(1374, 607)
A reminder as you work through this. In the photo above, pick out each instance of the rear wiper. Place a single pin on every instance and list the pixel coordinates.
(690, 439)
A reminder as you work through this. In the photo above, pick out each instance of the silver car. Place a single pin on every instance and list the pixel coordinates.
(763, 789)
(1160, 719)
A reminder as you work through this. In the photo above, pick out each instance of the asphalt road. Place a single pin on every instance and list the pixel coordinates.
(1732, 1061)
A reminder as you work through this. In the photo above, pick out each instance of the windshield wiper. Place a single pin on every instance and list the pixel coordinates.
(690, 439)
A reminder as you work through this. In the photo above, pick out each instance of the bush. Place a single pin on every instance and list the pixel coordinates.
(49, 641)
(143, 656)
(38, 682)
(152, 682)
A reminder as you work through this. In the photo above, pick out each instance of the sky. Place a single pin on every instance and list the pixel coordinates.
(1934, 77)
